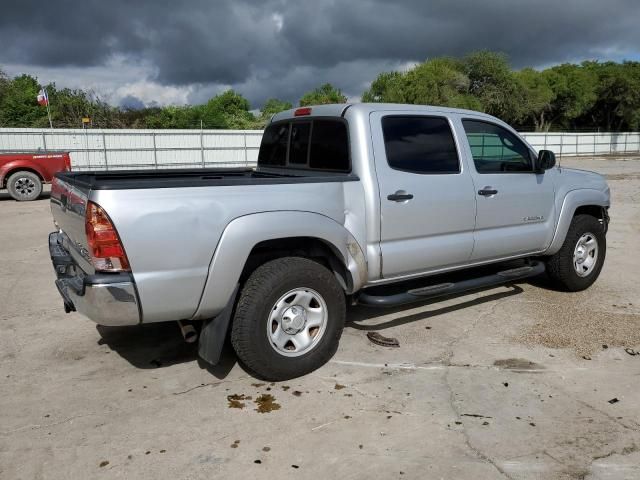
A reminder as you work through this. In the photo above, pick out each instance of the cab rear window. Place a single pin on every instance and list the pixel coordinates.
(319, 144)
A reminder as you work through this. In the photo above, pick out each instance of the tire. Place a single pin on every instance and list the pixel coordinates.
(277, 312)
(561, 268)
(24, 186)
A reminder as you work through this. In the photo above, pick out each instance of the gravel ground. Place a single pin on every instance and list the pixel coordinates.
(490, 385)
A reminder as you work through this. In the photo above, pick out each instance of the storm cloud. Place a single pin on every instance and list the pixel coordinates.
(174, 52)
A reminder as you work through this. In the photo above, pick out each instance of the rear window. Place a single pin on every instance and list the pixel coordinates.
(422, 145)
(319, 144)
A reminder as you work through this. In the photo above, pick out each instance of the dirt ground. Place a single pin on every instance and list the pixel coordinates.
(516, 382)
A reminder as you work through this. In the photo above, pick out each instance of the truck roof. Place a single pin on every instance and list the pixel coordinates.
(338, 110)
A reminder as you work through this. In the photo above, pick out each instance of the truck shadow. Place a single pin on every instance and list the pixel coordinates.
(4, 196)
(159, 345)
(358, 314)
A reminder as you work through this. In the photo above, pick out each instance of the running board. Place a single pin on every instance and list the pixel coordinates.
(442, 289)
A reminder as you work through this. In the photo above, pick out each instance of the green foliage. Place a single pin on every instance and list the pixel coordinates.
(537, 97)
(18, 106)
(322, 95)
(590, 95)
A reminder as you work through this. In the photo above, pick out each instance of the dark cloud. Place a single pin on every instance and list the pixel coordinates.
(131, 102)
(281, 48)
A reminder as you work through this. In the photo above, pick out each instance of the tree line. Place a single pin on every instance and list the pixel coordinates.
(587, 96)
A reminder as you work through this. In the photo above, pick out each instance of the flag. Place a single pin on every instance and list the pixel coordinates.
(43, 98)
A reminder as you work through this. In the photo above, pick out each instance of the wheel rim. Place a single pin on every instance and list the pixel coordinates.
(24, 186)
(297, 322)
(585, 255)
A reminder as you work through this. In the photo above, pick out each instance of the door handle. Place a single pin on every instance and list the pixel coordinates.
(400, 196)
(487, 191)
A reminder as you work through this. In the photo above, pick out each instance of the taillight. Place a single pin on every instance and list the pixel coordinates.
(301, 112)
(107, 252)
(67, 163)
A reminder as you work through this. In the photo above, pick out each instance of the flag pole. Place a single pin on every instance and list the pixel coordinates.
(46, 94)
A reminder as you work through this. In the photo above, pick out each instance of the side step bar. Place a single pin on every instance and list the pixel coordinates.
(442, 289)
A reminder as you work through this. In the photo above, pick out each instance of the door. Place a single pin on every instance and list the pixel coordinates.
(515, 212)
(427, 196)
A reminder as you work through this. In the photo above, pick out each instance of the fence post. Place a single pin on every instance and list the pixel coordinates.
(44, 141)
(104, 149)
(202, 145)
(561, 145)
(155, 150)
(626, 135)
(577, 144)
(545, 140)
(246, 157)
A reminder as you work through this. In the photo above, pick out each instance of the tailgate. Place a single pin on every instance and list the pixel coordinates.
(68, 206)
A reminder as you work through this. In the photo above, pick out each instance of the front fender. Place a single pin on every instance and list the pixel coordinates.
(244, 233)
(571, 202)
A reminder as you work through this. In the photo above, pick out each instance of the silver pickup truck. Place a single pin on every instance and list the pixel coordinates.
(375, 204)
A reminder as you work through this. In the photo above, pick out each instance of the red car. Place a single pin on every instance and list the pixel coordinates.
(23, 174)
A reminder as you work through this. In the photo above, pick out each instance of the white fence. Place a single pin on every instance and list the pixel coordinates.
(118, 149)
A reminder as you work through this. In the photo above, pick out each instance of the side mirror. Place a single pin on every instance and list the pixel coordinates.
(546, 160)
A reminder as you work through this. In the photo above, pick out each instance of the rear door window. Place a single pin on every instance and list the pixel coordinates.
(329, 146)
(423, 145)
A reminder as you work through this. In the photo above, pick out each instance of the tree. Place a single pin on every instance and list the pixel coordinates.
(227, 110)
(441, 82)
(388, 87)
(537, 98)
(322, 95)
(616, 104)
(273, 106)
(18, 105)
(492, 82)
(269, 109)
(574, 90)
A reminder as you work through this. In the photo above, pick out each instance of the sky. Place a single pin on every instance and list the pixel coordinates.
(144, 52)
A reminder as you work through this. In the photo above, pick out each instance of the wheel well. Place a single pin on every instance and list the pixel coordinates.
(593, 210)
(20, 169)
(308, 247)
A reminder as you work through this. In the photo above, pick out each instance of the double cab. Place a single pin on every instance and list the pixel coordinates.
(375, 204)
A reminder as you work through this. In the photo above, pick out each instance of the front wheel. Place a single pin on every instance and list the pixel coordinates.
(579, 261)
(24, 186)
(289, 318)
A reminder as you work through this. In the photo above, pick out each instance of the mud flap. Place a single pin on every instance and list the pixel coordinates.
(214, 332)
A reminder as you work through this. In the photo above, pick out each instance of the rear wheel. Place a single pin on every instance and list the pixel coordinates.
(24, 186)
(578, 263)
(289, 318)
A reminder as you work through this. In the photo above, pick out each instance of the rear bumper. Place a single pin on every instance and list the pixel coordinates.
(106, 298)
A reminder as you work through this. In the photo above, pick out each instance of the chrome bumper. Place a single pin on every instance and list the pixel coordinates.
(106, 298)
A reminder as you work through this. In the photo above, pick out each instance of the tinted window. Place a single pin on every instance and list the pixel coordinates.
(299, 143)
(273, 148)
(329, 146)
(495, 149)
(420, 144)
(325, 143)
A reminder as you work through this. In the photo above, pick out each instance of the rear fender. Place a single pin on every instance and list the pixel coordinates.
(243, 233)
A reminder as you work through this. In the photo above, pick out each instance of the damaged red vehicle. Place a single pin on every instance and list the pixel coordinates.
(24, 174)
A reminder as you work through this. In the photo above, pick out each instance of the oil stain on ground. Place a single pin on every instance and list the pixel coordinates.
(236, 400)
(266, 403)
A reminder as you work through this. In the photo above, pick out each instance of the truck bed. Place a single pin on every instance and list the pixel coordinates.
(174, 178)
